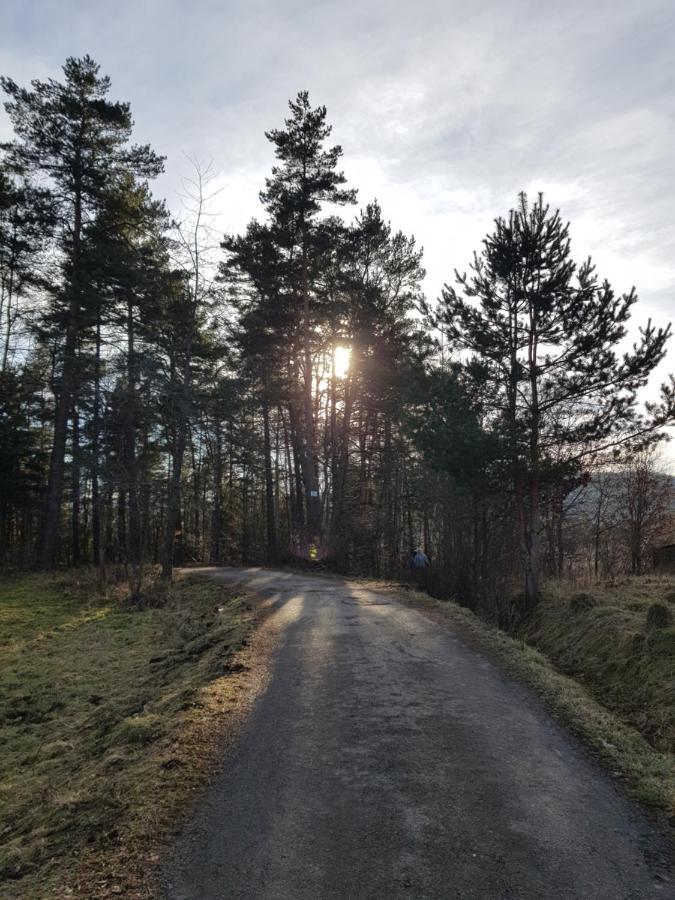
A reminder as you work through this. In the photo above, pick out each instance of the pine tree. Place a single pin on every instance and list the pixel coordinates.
(306, 178)
(70, 134)
(547, 330)
(125, 256)
(376, 285)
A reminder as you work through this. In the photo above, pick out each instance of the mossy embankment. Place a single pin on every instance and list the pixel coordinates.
(618, 639)
(108, 717)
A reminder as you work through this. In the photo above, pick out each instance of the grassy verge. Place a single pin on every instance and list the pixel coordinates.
(618, 639)
(610, 728)
(107, 723)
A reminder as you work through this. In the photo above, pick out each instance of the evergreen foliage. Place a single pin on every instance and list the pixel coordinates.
(288, 393)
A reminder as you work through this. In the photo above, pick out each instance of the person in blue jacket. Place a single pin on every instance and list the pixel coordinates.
(419, 560)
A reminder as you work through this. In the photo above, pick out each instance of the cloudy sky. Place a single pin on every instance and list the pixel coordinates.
(445, 109)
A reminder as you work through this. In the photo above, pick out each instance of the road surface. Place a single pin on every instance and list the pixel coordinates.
(387, 759)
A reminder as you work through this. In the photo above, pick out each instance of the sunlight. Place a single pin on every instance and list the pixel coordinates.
(341, 357)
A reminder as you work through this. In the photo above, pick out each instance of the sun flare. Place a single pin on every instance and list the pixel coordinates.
(341, 357)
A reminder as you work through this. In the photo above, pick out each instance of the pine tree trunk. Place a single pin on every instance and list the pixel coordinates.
(311, 473)
(173, 500)
(272, 551)
(390, 550)
(52, 517)
(76, 554)
(64, 399)
(196, 494)
(297, 476)
(339, 522)
(533, 517)
(246, 524)
(292, 505)
(149, 543)
(95, 442)
(121, 526)
(216, 513)
(134, 548)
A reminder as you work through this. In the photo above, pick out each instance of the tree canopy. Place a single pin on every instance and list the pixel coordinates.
(288, 393)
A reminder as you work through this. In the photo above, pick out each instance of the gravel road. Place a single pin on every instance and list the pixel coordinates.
(387, 759)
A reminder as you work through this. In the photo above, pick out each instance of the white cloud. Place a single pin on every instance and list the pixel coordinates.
(445, 109)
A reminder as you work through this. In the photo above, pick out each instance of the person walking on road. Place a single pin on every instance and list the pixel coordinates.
(420, 560)
(419, 564)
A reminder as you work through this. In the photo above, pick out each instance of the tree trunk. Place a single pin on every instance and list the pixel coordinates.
(76, 554)
(133, 546)
(216, 513)
(52, 516)
(121, 526)
(95, 441)
(533, 517)
(64, 399)
(309, 458)
(272, 551)
(173, 500)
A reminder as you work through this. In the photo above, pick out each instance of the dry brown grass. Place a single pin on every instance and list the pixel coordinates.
(109, 719)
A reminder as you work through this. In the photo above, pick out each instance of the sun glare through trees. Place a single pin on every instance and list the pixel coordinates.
(341, 356)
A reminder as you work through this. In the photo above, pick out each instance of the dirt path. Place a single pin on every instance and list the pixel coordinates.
(386, 759)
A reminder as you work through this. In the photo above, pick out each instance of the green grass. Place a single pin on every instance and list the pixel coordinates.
(104, 715)
(36, 605)
(618, 639)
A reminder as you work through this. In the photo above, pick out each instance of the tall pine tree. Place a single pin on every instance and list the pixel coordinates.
(548, 332)
(306, 178)
(70, 134)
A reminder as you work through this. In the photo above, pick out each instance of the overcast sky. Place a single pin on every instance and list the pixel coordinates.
(445, 110)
